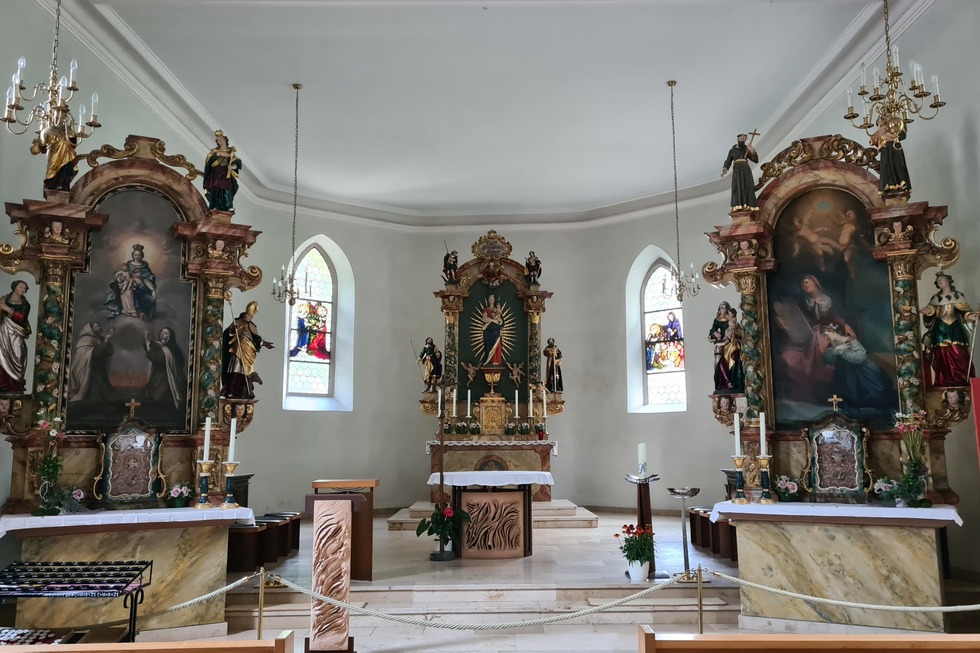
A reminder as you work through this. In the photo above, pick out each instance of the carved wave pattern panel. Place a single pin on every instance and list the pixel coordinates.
(496, 525)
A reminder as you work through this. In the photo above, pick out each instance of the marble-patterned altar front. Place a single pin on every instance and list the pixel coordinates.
(188, 548)
(855, 553)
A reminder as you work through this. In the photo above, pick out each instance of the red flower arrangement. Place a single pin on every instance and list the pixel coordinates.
(636, 543)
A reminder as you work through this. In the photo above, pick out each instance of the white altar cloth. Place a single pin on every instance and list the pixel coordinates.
(834, 512)
(494, 479)
(156, 516)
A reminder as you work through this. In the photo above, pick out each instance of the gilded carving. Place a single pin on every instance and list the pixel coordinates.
(798, 153)
(747, 281)
(903, 265)
(143, 148)
(491, 246)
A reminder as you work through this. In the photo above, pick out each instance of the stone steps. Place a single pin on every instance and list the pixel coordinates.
(559, 513)
(488, 605)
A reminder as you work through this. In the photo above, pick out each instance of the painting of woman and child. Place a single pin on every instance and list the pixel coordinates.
(830, 314)
(131, 330)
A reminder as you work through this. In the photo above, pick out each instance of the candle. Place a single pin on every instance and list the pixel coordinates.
(864, 76)
(231, 440)
(850, 103)
(738, 436)
(641, 454)
(207, 438)
(469, 398)
(935, 83)
(455, 390)
(439, 400)
(516, 399)
(544, 402)
(762, 434)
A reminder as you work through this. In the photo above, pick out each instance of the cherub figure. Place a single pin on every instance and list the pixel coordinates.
(806, 237)
(471, 372)
(516, 372)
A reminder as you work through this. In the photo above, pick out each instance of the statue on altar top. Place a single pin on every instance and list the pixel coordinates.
(60, 148)
(743, 186)
(893, 173)
(221, 168)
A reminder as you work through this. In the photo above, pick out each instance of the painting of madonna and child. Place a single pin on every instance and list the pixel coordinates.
(131, 328)
(830, 314)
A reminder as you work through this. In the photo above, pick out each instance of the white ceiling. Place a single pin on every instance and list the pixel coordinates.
(453, 111)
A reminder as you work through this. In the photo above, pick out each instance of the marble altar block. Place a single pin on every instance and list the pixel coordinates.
(188, 548)
(859, 553)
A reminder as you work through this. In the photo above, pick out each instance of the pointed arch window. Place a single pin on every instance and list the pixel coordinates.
(312, 327)
(665, 378)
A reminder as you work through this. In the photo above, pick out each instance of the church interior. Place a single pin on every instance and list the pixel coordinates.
(406, 240)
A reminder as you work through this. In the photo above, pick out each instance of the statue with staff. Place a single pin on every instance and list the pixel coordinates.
(743, 185)
(450, 263)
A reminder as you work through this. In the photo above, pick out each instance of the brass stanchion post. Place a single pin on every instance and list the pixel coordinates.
(700, 604)
(261, 598)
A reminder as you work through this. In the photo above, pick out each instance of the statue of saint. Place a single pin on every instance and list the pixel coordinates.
(14, 331)
(240, 346)
(552, 355)
(221, 170)
(60, 149)
(949, 323)
(743, 186)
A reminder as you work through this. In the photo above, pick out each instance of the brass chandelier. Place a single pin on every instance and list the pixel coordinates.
(684, 284)
(284, 288)
(888, 106)
(51, 113)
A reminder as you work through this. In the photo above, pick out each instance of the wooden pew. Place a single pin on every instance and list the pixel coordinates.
(281, 644)
(651, 642)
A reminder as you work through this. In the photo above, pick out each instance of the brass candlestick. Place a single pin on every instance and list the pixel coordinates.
(229, 501)
(740, 497)
(202, 500)
(766, 496)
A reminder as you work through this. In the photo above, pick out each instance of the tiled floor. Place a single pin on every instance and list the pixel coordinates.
(563, 558)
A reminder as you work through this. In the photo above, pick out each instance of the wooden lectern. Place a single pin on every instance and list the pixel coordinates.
(362, 527)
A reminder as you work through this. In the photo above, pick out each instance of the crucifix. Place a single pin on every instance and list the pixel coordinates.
(753, 134)
(835, 400)
(132, 405)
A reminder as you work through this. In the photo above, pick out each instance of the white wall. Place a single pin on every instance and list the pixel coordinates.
(396, 271)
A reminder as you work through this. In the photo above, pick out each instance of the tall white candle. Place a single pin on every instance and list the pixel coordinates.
(207, 439)
(641, 454)
(231, 440)
(455, 390)
(439, 400)
(738, 436)
(469, 398)
(516, 399)
(544, 402)
(762, 434)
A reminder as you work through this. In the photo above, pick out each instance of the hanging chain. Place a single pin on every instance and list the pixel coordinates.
(292, 252)
(673, 140)
(888, 39)
(57, 29)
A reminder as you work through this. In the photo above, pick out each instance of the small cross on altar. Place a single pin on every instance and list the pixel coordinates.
(835, 400)
(132, 405)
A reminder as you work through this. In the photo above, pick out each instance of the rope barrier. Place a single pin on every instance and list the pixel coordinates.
(846, 604)
(455, 626)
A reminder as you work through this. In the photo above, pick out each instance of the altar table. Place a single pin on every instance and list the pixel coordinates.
(500, 526)
(188, 547)
(848, 552)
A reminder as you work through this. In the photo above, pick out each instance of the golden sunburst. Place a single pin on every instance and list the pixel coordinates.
(508, 329)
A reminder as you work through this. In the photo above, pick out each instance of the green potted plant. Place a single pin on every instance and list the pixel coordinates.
(447, 525)
(636, 544)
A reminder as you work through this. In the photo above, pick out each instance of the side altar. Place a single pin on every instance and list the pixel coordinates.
(495, 381)
(131, 355)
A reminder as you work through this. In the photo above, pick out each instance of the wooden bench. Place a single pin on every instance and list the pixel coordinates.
(281, 644)
(651, 642)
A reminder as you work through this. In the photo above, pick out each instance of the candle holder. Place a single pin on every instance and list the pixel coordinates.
(229, 501)
(740, 497)
(764, 482)
(203, 502)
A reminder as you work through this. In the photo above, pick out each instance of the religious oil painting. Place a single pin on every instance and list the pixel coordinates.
(132, 320)
(830, 314)
(493, 334)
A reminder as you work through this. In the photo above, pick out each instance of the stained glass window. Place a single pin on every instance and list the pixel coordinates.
(663, 346)
(311, 331)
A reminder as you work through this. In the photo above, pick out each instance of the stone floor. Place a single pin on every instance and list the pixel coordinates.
(570, 569)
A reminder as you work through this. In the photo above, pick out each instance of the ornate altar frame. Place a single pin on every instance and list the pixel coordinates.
(56, 236)
(491, 435)
(904, 239)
